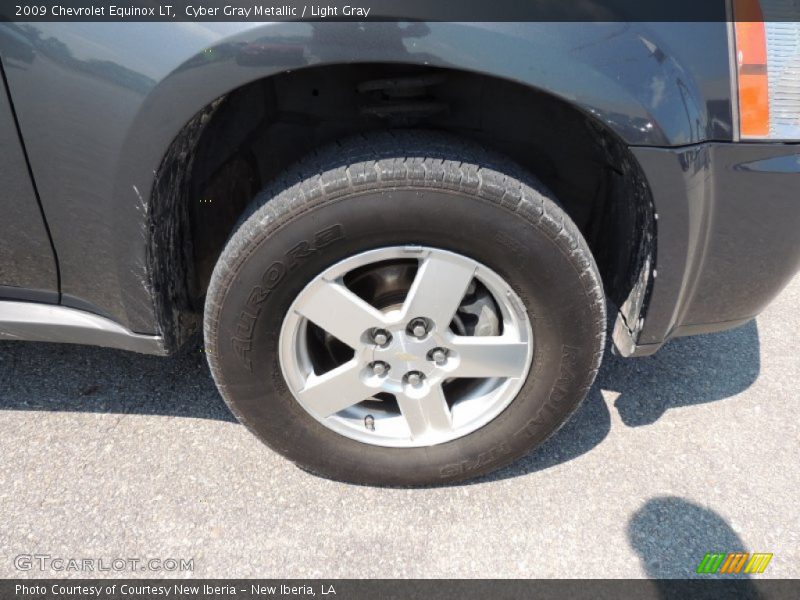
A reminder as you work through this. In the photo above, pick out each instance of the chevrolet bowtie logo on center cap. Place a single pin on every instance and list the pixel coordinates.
(405, 356)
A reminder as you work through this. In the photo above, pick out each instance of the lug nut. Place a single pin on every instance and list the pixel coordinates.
(418, 327)
(381, 337)
(414, 377)
(379, 368)
(438, 355)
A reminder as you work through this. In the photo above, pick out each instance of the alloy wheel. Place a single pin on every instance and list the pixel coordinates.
(406, 346)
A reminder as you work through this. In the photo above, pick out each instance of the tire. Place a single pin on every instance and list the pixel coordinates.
(404, 190)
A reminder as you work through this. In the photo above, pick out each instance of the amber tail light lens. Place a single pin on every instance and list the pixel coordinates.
(767, 36)
(751, 63)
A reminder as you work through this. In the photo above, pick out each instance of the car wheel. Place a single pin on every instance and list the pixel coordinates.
(404, 309)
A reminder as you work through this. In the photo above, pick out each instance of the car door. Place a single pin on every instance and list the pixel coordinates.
(27, 264)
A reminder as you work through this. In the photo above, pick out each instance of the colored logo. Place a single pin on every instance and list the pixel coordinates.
(734, 562)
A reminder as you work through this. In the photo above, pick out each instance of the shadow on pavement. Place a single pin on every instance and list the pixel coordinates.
(672, 535)
(686, 371)
(63, 377)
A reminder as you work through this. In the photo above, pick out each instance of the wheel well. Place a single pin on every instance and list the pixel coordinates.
(241, 141)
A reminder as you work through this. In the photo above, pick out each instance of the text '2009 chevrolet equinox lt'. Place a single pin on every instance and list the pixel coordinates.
(397, 238)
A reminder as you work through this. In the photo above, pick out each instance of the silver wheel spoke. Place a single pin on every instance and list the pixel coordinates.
(489, 357)
(427, 414)
(335, 390)
(339, 311)
(438, 289)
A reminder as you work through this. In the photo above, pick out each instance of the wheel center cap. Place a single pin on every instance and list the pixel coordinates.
(406, 354)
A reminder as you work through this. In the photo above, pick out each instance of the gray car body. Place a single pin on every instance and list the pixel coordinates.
(92, 109)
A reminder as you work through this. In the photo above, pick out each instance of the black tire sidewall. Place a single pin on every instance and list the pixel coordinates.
(271, 265)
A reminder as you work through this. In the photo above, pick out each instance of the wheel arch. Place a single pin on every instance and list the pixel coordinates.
(176, 113)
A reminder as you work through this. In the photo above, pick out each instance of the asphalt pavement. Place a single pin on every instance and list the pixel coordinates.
(108, 455)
